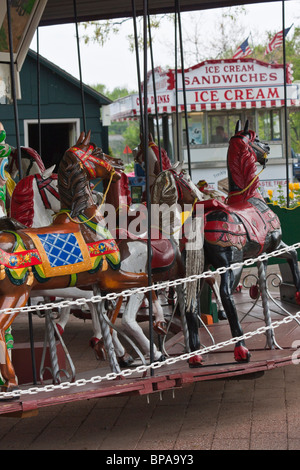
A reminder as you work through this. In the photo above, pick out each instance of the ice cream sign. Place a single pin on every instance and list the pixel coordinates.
(230, 83)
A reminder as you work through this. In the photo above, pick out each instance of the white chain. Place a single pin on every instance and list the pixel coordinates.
(162, 285)
(154, 365)
(158, 364)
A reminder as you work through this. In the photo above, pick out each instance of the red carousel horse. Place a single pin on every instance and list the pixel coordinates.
(244, 227)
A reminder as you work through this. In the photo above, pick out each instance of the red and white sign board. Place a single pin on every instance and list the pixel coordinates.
(215, 84)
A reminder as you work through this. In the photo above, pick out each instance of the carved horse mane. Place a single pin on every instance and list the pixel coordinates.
(73, 184)
(243, 153)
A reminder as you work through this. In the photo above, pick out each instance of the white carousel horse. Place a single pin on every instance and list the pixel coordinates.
(35, 200)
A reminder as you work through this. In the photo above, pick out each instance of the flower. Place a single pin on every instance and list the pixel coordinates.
(270, 192)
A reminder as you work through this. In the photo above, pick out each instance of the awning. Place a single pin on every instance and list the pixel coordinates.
(62, 11)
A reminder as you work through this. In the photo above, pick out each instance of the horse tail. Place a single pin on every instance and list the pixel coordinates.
(22, 201)
(194, 262)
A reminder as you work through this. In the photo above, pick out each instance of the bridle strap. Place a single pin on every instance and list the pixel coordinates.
(87, 157)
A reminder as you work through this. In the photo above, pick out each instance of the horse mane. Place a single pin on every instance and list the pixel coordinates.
(29, 153)
(165, 161)
(22, 204)
(73, 185)
(164, 189)
(241, 164)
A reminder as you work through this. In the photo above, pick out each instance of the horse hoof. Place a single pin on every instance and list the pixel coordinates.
(160, 327)
(98, 346)
(297, 298)
(222, 315)
(126, 360)
(195, 361)
(241, 354)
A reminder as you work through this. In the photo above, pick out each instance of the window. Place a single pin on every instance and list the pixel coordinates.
(196, 129)
(269, 125)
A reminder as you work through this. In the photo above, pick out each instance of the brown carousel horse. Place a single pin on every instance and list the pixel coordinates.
(76, 250)
(245, 227)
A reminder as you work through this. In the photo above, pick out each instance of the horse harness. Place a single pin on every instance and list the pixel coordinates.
(44, 184)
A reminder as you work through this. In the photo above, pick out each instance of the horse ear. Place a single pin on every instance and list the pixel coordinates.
(246, 126)
(150, 137)
(238, 127)
(80, 138)
(87, 138)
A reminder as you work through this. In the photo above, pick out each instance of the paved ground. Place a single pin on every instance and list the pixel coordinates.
(260, 413)
(254, 414)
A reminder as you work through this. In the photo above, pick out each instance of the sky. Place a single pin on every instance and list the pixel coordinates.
(115, 66)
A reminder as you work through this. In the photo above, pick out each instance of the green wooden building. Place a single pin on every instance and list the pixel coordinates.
(61, 112)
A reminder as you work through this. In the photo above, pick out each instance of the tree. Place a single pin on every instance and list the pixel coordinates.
(124, 132)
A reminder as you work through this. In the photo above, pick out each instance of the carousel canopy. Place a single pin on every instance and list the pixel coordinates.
(62, 11)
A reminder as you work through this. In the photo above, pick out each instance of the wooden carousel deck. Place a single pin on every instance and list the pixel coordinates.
(218, 364)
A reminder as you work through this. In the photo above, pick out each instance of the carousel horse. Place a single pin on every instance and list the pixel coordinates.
(31, 162)
(158, 158)
(76, 250)
(244, 227)
(35, 200)
(154, 156)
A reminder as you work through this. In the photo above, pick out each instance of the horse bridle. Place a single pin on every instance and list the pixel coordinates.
(44, 184)
(87, 157)
(180, 183)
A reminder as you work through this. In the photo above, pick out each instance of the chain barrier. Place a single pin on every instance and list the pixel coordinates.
(154, 365)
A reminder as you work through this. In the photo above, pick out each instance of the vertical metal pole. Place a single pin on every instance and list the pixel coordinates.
(183, 88)
(138, 67)
(79, 65)
(31, 339)
(154, 92)
(39, 91)
(285, 111)
(176, 85)
(148, 200)
(13, 86)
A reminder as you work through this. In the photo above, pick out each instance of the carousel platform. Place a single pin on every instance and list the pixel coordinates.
(218, 364)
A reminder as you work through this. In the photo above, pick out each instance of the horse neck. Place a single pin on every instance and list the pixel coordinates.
(241, 166)
(73, 187)
(118, 194)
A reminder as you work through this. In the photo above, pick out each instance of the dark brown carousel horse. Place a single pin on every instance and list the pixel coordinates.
(76, 250)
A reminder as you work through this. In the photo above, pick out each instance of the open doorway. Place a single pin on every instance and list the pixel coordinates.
(56, 137)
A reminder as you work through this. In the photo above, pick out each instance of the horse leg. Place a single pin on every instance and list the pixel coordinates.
(191, 331)
(211, 281)
(292, 260)
(64, 315)
(97, 343)
(262, 265)
(6, 319)
(159, 324)
(130, 324)
(229, 280)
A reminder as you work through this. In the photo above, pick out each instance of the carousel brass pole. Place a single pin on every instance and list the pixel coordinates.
(155, 96)
(79, 65)
(285, 111)
(39, 91)
(148, 199)
(138, 67)
(13, 87)
(183, 88)
(176, 84)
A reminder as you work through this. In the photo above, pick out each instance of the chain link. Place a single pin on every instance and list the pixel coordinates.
(168, 361)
